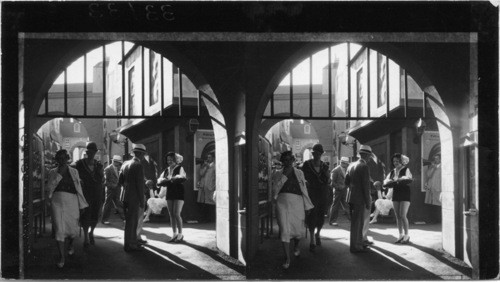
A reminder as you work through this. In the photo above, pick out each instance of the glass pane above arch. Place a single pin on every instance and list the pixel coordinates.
(122, 79)
(346, 80)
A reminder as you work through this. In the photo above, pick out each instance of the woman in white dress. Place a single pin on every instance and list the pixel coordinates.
(292, 203)
(383, 204)
(66, 201)
(156, 204)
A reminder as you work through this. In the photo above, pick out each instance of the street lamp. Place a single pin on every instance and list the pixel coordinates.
(115, 138)
(420, 126)
(346, 140)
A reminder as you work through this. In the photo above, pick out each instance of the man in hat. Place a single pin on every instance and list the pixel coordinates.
(340, 191)
(132, 179)
(317, 175)
(112, 190)
(358, 180)
(92, 175)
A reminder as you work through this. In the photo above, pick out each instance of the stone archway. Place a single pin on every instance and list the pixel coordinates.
(54, 55)
(448, 138)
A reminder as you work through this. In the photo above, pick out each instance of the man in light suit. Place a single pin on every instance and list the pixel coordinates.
(358, 180)
(112, 190)
(133, 181)
(340, 190)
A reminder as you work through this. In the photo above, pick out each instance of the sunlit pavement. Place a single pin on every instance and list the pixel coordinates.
(194, 259)
(198, 259)
(422, 259)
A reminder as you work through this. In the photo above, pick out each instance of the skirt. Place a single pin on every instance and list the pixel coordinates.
(384, 206)
(65, 215)
(291, 216)
(157, 204)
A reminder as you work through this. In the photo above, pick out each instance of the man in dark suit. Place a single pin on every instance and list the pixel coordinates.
(132, 179)
(358, 180)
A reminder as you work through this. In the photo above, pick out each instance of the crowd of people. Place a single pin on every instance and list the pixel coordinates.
(301, 198)
(84, 192)
(81, 192)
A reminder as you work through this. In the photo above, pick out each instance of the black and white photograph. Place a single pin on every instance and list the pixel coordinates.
(249, 140)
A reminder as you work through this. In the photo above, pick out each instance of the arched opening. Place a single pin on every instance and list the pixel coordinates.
(126, 93)
(371, 99)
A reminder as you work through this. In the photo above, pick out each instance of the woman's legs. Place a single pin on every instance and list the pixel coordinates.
(91, 234)
(71, 249)
(399, 220)
(173, 223)
(403, 210)
(375, 216)
(286, 248)
(178, 204)
(60, 248)
(85, 235)
(147, 214)
(296, 247)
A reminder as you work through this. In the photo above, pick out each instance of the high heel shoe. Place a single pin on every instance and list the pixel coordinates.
(173, 238)
(399, 240)
(60, 264)
(179, 238)
(286, 265)
(406, 240)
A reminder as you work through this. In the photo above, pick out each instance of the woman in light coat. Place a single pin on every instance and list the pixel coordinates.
(67, 200)
(292, 203)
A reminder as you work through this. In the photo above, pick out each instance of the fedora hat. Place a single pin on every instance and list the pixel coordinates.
(365, 149)
(139, 148)
(318, 148)
(344, 160)
(92, 146)
(117, 158)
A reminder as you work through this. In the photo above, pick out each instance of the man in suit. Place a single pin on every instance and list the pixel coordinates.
(150, 175)
(133, 181)
(340, 191)
(358, 180)
(112, 190)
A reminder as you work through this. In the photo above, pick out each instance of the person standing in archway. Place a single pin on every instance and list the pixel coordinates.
(206, 187)
(289, 193)
(67, 202)
(340, 195)
(400, 178)
(173, 177)
(317, 175)
(358, 180)
(133, 182)
(112, 190)
(433, 182)
(92, 175)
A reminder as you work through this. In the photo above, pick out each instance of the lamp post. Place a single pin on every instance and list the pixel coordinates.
(420, 126)
(346, 140)
(115, 138)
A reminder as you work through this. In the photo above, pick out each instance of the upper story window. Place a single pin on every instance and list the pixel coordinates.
(344, 80)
